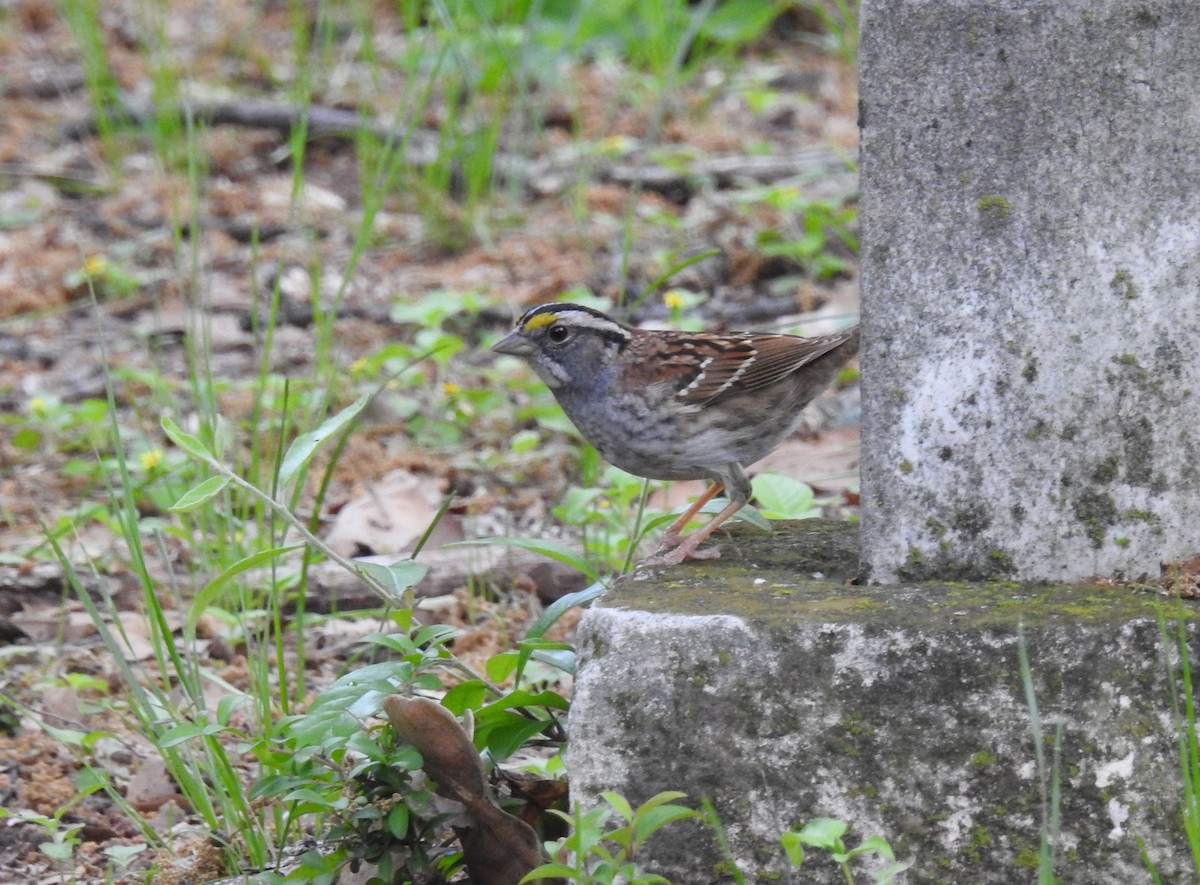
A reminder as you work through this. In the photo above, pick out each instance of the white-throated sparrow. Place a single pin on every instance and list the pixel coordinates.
(677, 405)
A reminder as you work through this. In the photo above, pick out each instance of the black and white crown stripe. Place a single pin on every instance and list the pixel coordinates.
(577, 316)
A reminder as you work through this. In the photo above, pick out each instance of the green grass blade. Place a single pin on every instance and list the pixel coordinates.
(550, 549)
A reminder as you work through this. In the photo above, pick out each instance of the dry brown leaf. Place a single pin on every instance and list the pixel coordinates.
(392, 514)
(498, 849)
(60, 705)
(151, 786)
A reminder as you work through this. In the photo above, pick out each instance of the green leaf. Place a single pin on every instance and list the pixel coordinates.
(793, 849)
(888, 872)
(124, 854)
(739, 21)
(464, 696)
(397, 578)
(579, 506)
(533, 645)
(500, 667)
(507, 737)
(502, 730)
(823, 832)
(548, 871)
(302, 449)
(551, 549)
(662, 798)
(199, 495)
(406, 759)
(521, 698)
(27, 438)
(750, 514)
(559, 659)
(315, 799)
(70, 736)
(619, 803)
(648, 821)
(364, 743)
(434, 634)
(525, 441)
(560, 607)
(500, 711)
(61, 851)
(397, 820)
(623, 837)
(784, 497)
(531, 648)
(181, 733)
(185, 441)
(89, 780)
(227, 705)
(209, 593)
(878, 844)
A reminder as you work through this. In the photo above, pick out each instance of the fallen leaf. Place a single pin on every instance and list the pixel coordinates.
(391, 516)
(151, 787)
(498, 848)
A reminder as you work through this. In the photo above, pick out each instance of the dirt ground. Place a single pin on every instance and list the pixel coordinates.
(176, 252)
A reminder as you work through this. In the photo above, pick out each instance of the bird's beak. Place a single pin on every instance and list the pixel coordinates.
(514, 343)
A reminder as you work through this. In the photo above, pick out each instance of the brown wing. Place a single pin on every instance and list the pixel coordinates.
(703, 367)
(744, 363)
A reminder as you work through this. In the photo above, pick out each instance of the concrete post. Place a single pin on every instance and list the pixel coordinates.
(1031, 287)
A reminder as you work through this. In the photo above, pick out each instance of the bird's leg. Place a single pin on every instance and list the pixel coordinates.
(685, 548)
(673, 537)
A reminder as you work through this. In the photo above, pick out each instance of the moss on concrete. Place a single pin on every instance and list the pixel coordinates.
(1123, 285)
(803, 571)
(902, 708)
(995, 212)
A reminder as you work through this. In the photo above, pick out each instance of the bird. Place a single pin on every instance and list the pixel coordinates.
(672, 405)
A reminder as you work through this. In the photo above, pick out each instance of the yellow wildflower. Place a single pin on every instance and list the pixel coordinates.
(150, 459)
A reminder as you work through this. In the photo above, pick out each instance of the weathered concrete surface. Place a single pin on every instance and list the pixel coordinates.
(764, 682)
(1031, 287)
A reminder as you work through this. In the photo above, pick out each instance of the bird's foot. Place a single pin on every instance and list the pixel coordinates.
(682, 550)
(670, 541)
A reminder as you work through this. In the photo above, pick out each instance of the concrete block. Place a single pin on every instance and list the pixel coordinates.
(765, 682)
(1031, 287)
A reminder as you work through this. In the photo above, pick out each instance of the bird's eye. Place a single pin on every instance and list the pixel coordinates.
(558, 333)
